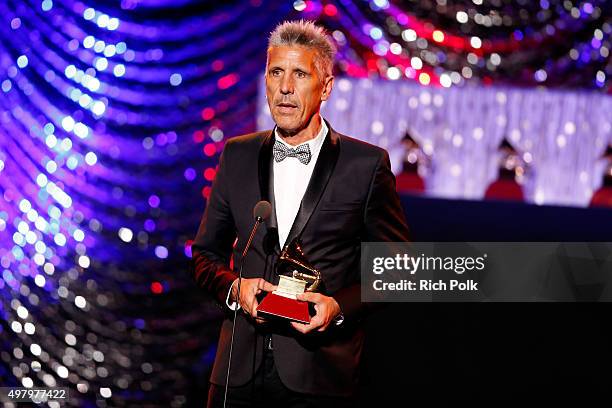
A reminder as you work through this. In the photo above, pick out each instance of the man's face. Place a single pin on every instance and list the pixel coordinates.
(293, 87)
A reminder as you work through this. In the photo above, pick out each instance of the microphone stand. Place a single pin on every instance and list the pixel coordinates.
(258, 221)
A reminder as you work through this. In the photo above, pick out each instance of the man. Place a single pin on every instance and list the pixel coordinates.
(330, 191)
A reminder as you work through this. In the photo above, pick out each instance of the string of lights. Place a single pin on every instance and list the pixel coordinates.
(101, 110)
(449, 43)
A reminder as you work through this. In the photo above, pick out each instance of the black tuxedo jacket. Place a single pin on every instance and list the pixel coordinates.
(351, 198)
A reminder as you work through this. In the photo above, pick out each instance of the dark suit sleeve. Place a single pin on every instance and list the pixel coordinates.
(384, 221)
(212, 246)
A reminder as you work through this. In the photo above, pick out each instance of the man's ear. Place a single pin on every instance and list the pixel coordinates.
(327, 88)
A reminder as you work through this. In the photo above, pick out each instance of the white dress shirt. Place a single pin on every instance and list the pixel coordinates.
(291, 179)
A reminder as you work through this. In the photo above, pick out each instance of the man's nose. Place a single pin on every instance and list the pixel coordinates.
(286, 85)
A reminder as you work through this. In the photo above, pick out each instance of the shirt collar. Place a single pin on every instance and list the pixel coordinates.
(315, 144)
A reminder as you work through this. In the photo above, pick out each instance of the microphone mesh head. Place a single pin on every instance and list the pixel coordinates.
(262, 210)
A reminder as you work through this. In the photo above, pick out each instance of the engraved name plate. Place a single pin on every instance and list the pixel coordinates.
(290, 287)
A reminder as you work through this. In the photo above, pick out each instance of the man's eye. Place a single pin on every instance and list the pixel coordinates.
(301, 75)
(276, 73)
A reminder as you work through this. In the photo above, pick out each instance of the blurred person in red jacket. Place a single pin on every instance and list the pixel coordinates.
(603, 196)
(511, 167)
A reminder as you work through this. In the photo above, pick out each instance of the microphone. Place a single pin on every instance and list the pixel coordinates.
(261, 212)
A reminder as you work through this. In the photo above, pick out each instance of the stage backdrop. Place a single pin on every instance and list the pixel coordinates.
(561, 135)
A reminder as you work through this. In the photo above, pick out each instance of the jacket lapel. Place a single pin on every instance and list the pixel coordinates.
(318, 181)
(266, 192)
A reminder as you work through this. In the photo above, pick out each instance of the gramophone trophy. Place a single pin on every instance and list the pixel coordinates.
(296, 276)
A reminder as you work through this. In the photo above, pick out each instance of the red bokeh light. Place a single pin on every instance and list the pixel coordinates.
(330, 10)
(227, 81)
(210, 149)
(208, 113)
(372, 64)
(209, 174)
(198, 136)
(157, 288)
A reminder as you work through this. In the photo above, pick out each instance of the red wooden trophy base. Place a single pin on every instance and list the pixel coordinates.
(281, 306)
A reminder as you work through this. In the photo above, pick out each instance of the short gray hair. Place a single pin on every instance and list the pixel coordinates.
(306, 34)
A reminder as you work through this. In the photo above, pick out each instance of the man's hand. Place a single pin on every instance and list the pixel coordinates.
(326, 309)
(249, 289)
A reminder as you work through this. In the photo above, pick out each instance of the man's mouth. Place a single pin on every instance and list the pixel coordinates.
(286, 107)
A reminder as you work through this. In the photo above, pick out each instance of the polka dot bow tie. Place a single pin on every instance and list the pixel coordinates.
(281, 152)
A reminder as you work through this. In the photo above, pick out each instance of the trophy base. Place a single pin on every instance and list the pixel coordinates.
(284, 307)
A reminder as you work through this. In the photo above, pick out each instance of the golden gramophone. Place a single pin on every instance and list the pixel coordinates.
(296, 275)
